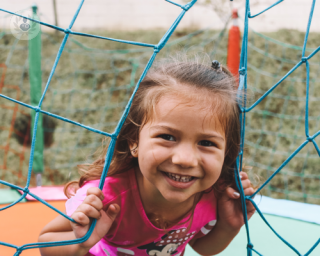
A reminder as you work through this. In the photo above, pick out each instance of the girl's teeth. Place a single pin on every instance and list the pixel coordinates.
(179, 178)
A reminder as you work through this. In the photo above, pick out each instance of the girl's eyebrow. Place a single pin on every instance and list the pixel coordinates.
(158, 127)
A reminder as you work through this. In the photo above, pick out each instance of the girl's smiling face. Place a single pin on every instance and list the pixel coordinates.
(181, 150)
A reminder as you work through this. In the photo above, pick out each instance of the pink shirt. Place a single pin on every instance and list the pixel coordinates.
(132, 233)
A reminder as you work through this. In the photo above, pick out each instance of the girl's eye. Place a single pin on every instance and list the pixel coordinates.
(206, 143)
(167, 137)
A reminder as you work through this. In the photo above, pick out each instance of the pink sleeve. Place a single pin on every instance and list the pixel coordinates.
(73, 202)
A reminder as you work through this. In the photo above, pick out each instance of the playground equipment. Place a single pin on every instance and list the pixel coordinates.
(275, 124)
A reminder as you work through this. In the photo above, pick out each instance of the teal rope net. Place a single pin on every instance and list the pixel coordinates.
(112, 135)
(84, 73)
(275, 127)
(112, 65)
(309, 138)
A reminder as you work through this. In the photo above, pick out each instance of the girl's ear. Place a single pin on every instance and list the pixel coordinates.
(134, 149)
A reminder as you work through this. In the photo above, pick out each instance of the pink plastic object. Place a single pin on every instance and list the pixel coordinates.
(47, 193)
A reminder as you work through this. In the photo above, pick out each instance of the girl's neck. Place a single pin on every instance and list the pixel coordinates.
(155, 204)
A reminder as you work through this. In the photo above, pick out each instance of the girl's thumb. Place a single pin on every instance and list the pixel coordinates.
(113, 211)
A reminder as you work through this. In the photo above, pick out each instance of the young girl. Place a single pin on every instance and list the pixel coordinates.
(171, 179)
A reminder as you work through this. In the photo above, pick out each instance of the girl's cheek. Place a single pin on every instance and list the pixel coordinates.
(153, 155)
(160, 154)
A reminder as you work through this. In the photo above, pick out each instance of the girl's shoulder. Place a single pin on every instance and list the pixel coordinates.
(118, 184)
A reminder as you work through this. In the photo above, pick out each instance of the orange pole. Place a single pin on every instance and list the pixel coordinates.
(233, 58)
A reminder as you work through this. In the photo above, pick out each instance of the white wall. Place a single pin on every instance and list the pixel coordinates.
(146, 14)
(291, 14)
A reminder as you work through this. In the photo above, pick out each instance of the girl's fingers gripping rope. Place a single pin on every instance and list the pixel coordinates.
(243, 175)
(95, 191)
(248, 190)
(90, 207)
(84, 212)
(80, 218)
(93, 201)
(232, 193)
(246, 185)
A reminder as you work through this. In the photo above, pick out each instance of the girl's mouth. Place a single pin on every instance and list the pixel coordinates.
(179, 181)
(179, 178)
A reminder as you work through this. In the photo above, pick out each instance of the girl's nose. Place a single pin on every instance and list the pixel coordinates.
(185, 156)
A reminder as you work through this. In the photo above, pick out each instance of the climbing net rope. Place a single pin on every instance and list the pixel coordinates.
(75, 121)
(113, 136)
(81, 77)
(275, 127)
(245, 69)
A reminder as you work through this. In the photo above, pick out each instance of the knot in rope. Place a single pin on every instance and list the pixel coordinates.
(242, 71)
(26, 190)
(156, 49)
(18, 252)
(304, 59)
(114, 136)
(309, 138)
(247, 198)
(37, 109)
(67, 31)
(250, 245)
(185, 7)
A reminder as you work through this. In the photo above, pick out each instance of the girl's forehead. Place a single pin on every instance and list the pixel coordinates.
(195, 101)
(170, 103)
(175, 108)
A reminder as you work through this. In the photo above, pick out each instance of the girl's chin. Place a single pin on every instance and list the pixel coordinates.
(176, 197)
(176, 200)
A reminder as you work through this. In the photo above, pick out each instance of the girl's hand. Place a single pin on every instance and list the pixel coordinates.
(229, 206)
(92, 207)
